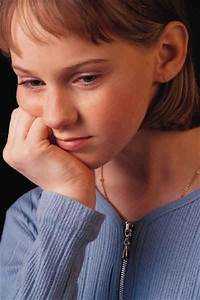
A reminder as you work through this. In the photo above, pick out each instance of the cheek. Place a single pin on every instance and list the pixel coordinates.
(30, 104)
(121, 110)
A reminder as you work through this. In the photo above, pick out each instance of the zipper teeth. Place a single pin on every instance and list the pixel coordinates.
(122, 279)
(128, 234)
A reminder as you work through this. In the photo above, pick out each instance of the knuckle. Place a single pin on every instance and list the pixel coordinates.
(15, 111)
(5, 155)
(8, 157)
(11, 157)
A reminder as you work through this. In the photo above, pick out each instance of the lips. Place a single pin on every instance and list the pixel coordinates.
(72, 144)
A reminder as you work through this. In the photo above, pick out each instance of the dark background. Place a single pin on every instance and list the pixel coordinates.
(12, 184)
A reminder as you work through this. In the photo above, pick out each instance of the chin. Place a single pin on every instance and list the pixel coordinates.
(91, 161)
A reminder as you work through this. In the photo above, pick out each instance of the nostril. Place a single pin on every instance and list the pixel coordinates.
(58, 121)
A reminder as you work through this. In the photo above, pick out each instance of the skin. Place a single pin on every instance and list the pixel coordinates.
(106, 98)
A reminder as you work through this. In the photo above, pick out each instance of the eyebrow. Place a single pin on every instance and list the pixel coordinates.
(65, 69)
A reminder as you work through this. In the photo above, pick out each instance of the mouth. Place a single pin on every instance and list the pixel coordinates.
(73, 144)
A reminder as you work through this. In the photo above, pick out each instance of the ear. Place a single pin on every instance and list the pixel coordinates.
(171, 51)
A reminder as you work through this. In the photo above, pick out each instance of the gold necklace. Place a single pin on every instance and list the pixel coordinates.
(186, 190)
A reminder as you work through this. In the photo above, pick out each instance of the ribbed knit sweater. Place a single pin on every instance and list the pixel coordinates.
(53, 247)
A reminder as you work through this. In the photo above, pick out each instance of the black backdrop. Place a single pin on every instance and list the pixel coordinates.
(12, 184)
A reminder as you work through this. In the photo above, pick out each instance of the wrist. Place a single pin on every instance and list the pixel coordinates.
(83, 191)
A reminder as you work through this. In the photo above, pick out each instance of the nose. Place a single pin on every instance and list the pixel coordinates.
(59, 111)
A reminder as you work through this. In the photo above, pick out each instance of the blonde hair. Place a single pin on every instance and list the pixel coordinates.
(177, 104)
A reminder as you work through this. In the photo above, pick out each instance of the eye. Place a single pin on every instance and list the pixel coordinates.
(31, 83)
(87, 79)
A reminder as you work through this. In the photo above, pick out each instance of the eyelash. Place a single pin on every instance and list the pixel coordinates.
(33, 84)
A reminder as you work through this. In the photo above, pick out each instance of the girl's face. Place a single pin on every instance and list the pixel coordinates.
(83, 90)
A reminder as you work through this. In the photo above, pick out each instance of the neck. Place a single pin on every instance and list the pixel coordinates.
(155, 167)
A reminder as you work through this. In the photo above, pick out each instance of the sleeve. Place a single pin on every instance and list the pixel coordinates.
(42, 246)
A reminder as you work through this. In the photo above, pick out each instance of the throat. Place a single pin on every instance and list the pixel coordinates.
(129, 206)
(133, 201)
(155, 169)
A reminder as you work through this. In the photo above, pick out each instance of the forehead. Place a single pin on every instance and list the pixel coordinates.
(53, 52)
(68, 45)
(27, 33)
(56, 53)
(51, 47)
(42, 28)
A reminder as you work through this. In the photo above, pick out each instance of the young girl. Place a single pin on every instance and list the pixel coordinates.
(107, 127)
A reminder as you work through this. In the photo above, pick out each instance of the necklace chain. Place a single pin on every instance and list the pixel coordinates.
(103, 184)
(186, 190)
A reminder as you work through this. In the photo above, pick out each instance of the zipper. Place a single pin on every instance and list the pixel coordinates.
(128, 235)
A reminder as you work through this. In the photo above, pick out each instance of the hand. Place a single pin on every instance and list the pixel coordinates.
(30, 152)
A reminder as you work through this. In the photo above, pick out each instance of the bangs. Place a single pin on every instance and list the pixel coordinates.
(96, 21)
(58, 18)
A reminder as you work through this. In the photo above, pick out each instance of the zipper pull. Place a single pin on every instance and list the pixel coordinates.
(128, 233)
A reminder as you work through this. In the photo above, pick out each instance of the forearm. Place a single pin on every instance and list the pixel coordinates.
(53, 261)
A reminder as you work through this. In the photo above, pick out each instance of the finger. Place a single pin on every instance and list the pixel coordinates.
(12, 125)
(22, 124)
(13, 131)
(38, 131)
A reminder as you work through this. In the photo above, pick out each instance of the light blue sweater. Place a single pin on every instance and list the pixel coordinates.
(53, 247)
